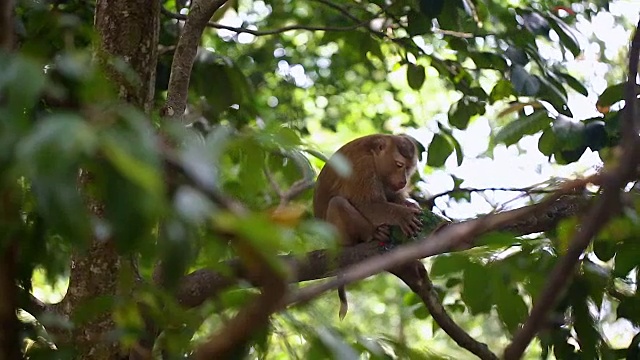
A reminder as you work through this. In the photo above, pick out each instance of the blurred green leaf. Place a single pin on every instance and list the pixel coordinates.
(488, 60)
(460, 113)
(431, 8)
(336, 345)
(573, 83)
(418, 23)
(512, 132)
(564, 33)
(548, 142)
(627, 258)
(611, 95)
(21, 80)
(477, 289)
(448, 264)
(439, 150)
(503, 89)
(415, 76)
(524, 83)
(146, 176)
(511, 307)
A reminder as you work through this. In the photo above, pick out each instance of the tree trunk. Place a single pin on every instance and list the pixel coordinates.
(128, 29)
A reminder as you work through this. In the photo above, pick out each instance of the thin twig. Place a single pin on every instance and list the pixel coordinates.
(281, 30)
(528, 190)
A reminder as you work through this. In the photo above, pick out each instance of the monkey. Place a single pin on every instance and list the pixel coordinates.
(373, 197)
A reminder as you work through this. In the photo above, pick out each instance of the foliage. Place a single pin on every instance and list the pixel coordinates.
(273, 107)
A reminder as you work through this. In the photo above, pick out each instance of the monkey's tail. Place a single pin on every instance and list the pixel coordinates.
(344, 305)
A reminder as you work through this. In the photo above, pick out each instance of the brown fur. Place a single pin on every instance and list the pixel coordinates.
(373, 197)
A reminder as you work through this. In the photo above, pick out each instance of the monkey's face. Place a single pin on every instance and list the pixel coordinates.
(394, 169)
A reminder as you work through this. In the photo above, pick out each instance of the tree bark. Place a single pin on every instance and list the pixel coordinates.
(128, 30)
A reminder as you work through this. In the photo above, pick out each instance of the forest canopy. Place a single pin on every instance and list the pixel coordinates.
(159, 161)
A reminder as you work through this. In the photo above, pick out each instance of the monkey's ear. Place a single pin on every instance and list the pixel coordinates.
(419, 147)
(378, 144)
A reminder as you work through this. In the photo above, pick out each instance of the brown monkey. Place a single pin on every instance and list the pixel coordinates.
(362, 205)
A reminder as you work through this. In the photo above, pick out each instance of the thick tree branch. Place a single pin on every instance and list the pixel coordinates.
(613, 180)
(32, 304)
(200, 13)
(203, 284)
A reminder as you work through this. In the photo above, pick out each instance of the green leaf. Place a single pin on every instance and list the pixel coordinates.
(512, 132)
(222, 83)
(477, 289)
(627, 258)
(458, 149)
(569, 133)
(611, 95)
(22, 80)
(145, 175)
(415, 76)
(518, 56)
(496, 239)
(447, 264)
(431, 8)
(585, 327)
(595, 135)
(564, 33)
(604, 250)
(501, 90)
(547, 144)
(460, 113)
(554, 93)
(448, 134)
(50, 156)
(92, 308)
(439, 150)
(524, 83)
(597, 278)
(629, 309)
(573, 83)
(336, 345)
(511, 308)
(418, 23)
(488, 60)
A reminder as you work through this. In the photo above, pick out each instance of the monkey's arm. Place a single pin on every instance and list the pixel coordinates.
(351, 224)
(387, 213)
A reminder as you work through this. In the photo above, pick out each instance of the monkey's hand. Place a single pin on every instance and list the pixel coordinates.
(409, 220)
(412, 204)
(382, 233)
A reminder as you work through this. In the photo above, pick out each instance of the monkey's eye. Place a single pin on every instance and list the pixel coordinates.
(399, 164)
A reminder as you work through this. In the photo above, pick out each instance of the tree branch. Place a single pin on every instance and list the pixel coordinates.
(420, 283)
(274, 31)
(250, 318)
(529, 190)
(200, 13)
(203, 284)
(32, 304)
(613, 180)
(6, 25)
